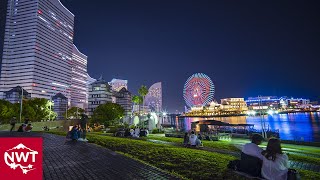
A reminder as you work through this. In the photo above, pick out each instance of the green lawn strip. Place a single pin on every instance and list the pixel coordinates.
(305, 174)
(132, 157)
(225, 145)
(222, 145)
(306, 159)
(189, 163)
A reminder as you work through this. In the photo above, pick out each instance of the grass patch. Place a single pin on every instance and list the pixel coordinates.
(189, 163)
(301, 158)
(222, 145)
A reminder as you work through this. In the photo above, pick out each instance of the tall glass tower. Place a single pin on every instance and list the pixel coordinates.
(38, 48)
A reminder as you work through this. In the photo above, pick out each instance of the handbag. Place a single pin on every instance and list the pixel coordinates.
(293, 175)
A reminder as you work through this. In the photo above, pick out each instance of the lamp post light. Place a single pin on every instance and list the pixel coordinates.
(21, 104)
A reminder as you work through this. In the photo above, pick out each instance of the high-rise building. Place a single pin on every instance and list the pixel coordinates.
(153, 99)
(38, 52)
(3, 17)
(123, 98)
(100, 92)
(118, 84)
(79, 80)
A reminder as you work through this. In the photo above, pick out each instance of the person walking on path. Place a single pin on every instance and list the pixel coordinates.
(13, 122)
(83, 124)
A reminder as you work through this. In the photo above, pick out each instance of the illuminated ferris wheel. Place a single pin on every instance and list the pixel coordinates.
(198, 90)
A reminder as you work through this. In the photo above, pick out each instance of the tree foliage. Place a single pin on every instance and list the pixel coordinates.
(35, 109)
(74, 113)
(108, 114)
(143, 91)
(136, 99)
(6, 111)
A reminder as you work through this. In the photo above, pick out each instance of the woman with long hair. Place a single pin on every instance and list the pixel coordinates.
(275, 163)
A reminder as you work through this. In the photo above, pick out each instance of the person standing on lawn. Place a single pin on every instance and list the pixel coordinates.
(83, 123)
(13, 122)
(186, 139)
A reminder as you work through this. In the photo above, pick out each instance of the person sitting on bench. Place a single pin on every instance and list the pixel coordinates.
(251, 157)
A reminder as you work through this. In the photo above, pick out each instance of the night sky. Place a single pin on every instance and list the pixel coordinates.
(248, 48)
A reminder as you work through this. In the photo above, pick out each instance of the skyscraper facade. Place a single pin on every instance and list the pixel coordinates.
(38, 52)
(3, 15)
(118, 84)
(153, 99)
(79, 91)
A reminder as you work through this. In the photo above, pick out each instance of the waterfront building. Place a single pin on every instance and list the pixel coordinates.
(118, 84)
(14, 95)
(100, 92)
(264, 102)
(79, 91)
(233, 106)
(273, 102)
(60, 104)
(153, 99)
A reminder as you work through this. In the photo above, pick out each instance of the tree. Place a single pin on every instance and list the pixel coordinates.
(6, 111)
(137, 100)
(143, 91)
(35, 109)
(74, 113)
(108, 114)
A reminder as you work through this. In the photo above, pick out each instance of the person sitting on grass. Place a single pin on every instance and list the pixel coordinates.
(251, 157)
(74, 133)
(20, 129)
(193, 139)
(186, 139)
(28, 128)
(275, 163)
(200, 136)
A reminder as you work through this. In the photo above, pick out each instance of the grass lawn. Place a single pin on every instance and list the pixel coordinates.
(188, 163)
(229, 145)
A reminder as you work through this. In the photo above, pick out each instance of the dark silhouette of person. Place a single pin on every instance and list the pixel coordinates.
(13, 122)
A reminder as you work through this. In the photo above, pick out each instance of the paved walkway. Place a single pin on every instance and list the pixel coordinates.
(80, 160)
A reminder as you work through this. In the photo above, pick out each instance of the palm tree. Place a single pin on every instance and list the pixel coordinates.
(143, 91)
(136, 100)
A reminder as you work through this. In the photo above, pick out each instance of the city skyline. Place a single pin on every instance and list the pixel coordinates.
(246, 48)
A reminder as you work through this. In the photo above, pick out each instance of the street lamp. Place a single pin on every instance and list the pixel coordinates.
(21, 104)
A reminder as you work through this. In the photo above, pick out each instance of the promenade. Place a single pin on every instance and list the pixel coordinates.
(79, 160)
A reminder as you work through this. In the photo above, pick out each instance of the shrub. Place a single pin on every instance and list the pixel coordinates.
(157, 131)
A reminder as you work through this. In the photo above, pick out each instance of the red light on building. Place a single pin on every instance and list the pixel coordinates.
(33, 84)
(39, 11)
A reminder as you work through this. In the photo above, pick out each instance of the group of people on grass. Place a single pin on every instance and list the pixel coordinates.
(193, 140)
(271, 163)
(25, 127)
(79, 131)
(136, 132)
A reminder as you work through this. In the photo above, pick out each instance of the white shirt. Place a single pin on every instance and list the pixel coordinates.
(275, 170)
(252, 150)
(193, 140)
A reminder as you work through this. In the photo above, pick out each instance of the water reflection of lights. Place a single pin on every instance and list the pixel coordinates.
(291, 126)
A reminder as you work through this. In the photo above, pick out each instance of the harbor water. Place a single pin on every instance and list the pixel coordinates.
(292, 126)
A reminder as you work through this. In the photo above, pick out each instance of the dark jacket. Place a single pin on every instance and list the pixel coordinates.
(250, 165)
